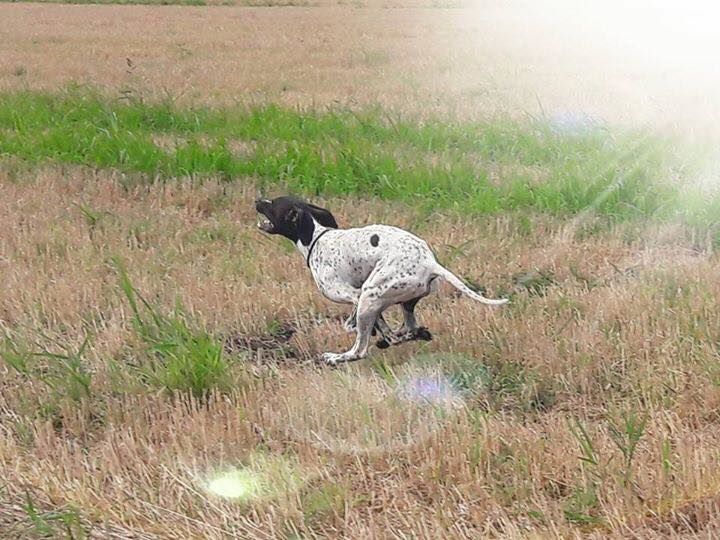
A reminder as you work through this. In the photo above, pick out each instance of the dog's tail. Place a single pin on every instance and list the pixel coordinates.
(456, 282)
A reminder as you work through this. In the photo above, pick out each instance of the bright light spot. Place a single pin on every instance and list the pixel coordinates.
(260, 477)
(659, 33)
(622, 60)
(234, 484)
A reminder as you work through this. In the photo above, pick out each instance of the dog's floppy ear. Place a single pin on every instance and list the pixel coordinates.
(304, 225)
(322, 216)
(293, 215)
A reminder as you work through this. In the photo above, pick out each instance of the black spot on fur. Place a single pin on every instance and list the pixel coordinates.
(374, 240)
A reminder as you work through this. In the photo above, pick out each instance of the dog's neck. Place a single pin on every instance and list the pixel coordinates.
(317, 231)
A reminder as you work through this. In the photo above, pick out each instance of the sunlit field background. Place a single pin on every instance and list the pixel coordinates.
(157, 372)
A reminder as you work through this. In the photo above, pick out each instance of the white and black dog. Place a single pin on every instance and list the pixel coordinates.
(372, 268)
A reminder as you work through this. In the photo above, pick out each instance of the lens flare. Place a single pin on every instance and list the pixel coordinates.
(259, 477)
(365, 413)
(429, 389)
(235, 484)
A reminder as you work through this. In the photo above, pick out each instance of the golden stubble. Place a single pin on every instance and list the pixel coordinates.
(473, 60)
(623, 319)
(623, 323)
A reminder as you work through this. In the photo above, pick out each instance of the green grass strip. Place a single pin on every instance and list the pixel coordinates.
(478, 167)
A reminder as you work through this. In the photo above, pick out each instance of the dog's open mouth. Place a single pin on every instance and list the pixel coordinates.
(264, 224)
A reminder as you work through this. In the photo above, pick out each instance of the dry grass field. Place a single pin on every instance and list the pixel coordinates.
(485, 59)
(158, 351)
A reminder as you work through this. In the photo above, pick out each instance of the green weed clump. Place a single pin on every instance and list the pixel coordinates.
(335, 152)
(181, 359)
(57, 382)
(57, 523)
(65, 373)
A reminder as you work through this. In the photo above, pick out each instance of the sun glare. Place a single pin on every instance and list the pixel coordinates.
(661, 34)
(234, 484)
(629, 60)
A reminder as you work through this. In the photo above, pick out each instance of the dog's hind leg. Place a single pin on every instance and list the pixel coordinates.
(409, 331)
(409, 321)
(410, 328)
(350, 323)
(368, 309)
(387, 335)
(381, 326)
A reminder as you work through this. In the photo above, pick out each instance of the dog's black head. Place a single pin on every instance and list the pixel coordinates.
(292, 218)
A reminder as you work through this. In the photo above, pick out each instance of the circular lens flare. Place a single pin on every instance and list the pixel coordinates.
(429, 389)
(369, 413)
(260, 477)
(234, 484)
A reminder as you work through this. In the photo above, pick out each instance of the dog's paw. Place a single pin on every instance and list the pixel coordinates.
(423, 334)
(382, 344)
